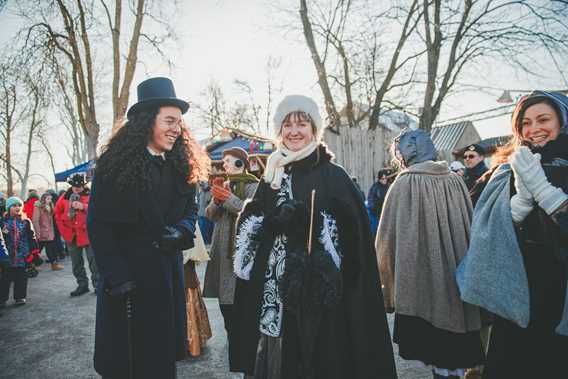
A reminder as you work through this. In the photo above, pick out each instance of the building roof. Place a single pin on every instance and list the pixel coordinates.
(250, 145)
(446, 137)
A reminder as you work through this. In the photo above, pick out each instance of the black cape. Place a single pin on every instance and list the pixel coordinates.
(352, 339)
(122, 229)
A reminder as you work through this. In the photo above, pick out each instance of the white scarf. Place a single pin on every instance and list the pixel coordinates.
(280, 158)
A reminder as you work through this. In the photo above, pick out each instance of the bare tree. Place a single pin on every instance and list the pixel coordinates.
(255, 117)
(35, 113)
(437, 43)
(49, 151)
(71, 32)
(460, 34)
(348, 55)
(62, 99)
(21, 117)
(244, 113)
(9, 119)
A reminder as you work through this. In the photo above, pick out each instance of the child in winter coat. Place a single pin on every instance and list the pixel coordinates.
(22, 247)
(44, 226)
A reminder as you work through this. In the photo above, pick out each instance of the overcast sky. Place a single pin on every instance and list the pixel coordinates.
(223, 40)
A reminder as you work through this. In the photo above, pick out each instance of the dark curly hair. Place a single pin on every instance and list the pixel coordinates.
(125, 157)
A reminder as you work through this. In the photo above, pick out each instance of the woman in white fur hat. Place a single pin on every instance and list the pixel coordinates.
(308, 302)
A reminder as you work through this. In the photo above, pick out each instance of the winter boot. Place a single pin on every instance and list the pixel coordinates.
(473, 373)
(56, 266)
(20, 302)
(79, 291)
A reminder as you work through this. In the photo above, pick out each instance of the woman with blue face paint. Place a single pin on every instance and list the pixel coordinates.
(517, 263)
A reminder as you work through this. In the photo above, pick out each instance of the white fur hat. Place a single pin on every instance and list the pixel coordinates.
(294, 103)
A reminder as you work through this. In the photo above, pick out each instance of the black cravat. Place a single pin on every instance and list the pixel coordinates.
(158, 160)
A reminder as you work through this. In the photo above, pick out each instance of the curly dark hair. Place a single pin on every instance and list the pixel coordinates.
(125, 157)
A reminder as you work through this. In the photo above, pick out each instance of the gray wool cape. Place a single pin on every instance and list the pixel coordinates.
(423, 235)
(219, 276)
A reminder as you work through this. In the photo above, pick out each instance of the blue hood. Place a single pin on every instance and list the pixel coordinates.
(415, 146)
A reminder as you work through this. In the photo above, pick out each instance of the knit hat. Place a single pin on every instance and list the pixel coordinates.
(238, 153)
(298, 103)
(13, 201)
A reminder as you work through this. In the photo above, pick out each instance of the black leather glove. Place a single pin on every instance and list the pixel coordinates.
(37, 261)
(171, 238)
(122, 291)
(289, 214)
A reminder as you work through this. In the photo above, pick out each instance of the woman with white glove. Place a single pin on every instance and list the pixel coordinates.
(530, 333)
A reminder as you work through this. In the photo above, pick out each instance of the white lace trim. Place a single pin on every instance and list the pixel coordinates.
(329, 238)
(244, 252)
(272, 309)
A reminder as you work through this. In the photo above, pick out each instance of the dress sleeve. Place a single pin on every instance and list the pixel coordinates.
(234, 205)
(214, 211)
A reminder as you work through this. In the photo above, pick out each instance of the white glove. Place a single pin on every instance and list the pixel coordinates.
(522, 203)
(527, 166)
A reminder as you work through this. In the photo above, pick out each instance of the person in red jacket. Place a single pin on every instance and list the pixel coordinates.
(30, 203)
(71, 217)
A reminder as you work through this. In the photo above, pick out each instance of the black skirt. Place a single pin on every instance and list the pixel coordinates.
(536, 351)
(418, 340)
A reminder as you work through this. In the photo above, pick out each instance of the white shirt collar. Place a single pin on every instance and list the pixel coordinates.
(152, 152)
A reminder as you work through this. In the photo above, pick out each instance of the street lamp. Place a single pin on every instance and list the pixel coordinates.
(505, 98)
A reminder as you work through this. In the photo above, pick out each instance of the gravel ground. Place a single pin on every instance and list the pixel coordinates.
(52, 337)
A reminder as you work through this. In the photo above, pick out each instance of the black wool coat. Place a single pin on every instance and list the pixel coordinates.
(123, 228)
(352, 339)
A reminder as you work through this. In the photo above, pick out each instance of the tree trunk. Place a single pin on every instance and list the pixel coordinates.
(92, 142)
(8, 162)
(433, 38)
(334, 118)
(129, 69)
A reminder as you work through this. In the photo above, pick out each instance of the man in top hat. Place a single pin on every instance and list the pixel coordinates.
(71, 217)
(228, 200)
(142, 215)
(474, 160)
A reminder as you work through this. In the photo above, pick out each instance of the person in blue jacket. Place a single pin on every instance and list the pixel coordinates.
(142, 215)
(376, 198)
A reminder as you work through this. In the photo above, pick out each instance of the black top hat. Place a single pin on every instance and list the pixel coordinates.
(77, 180)
(156, 92)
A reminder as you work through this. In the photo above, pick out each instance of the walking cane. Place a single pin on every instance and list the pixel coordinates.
(311, 222)
(130, 327)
